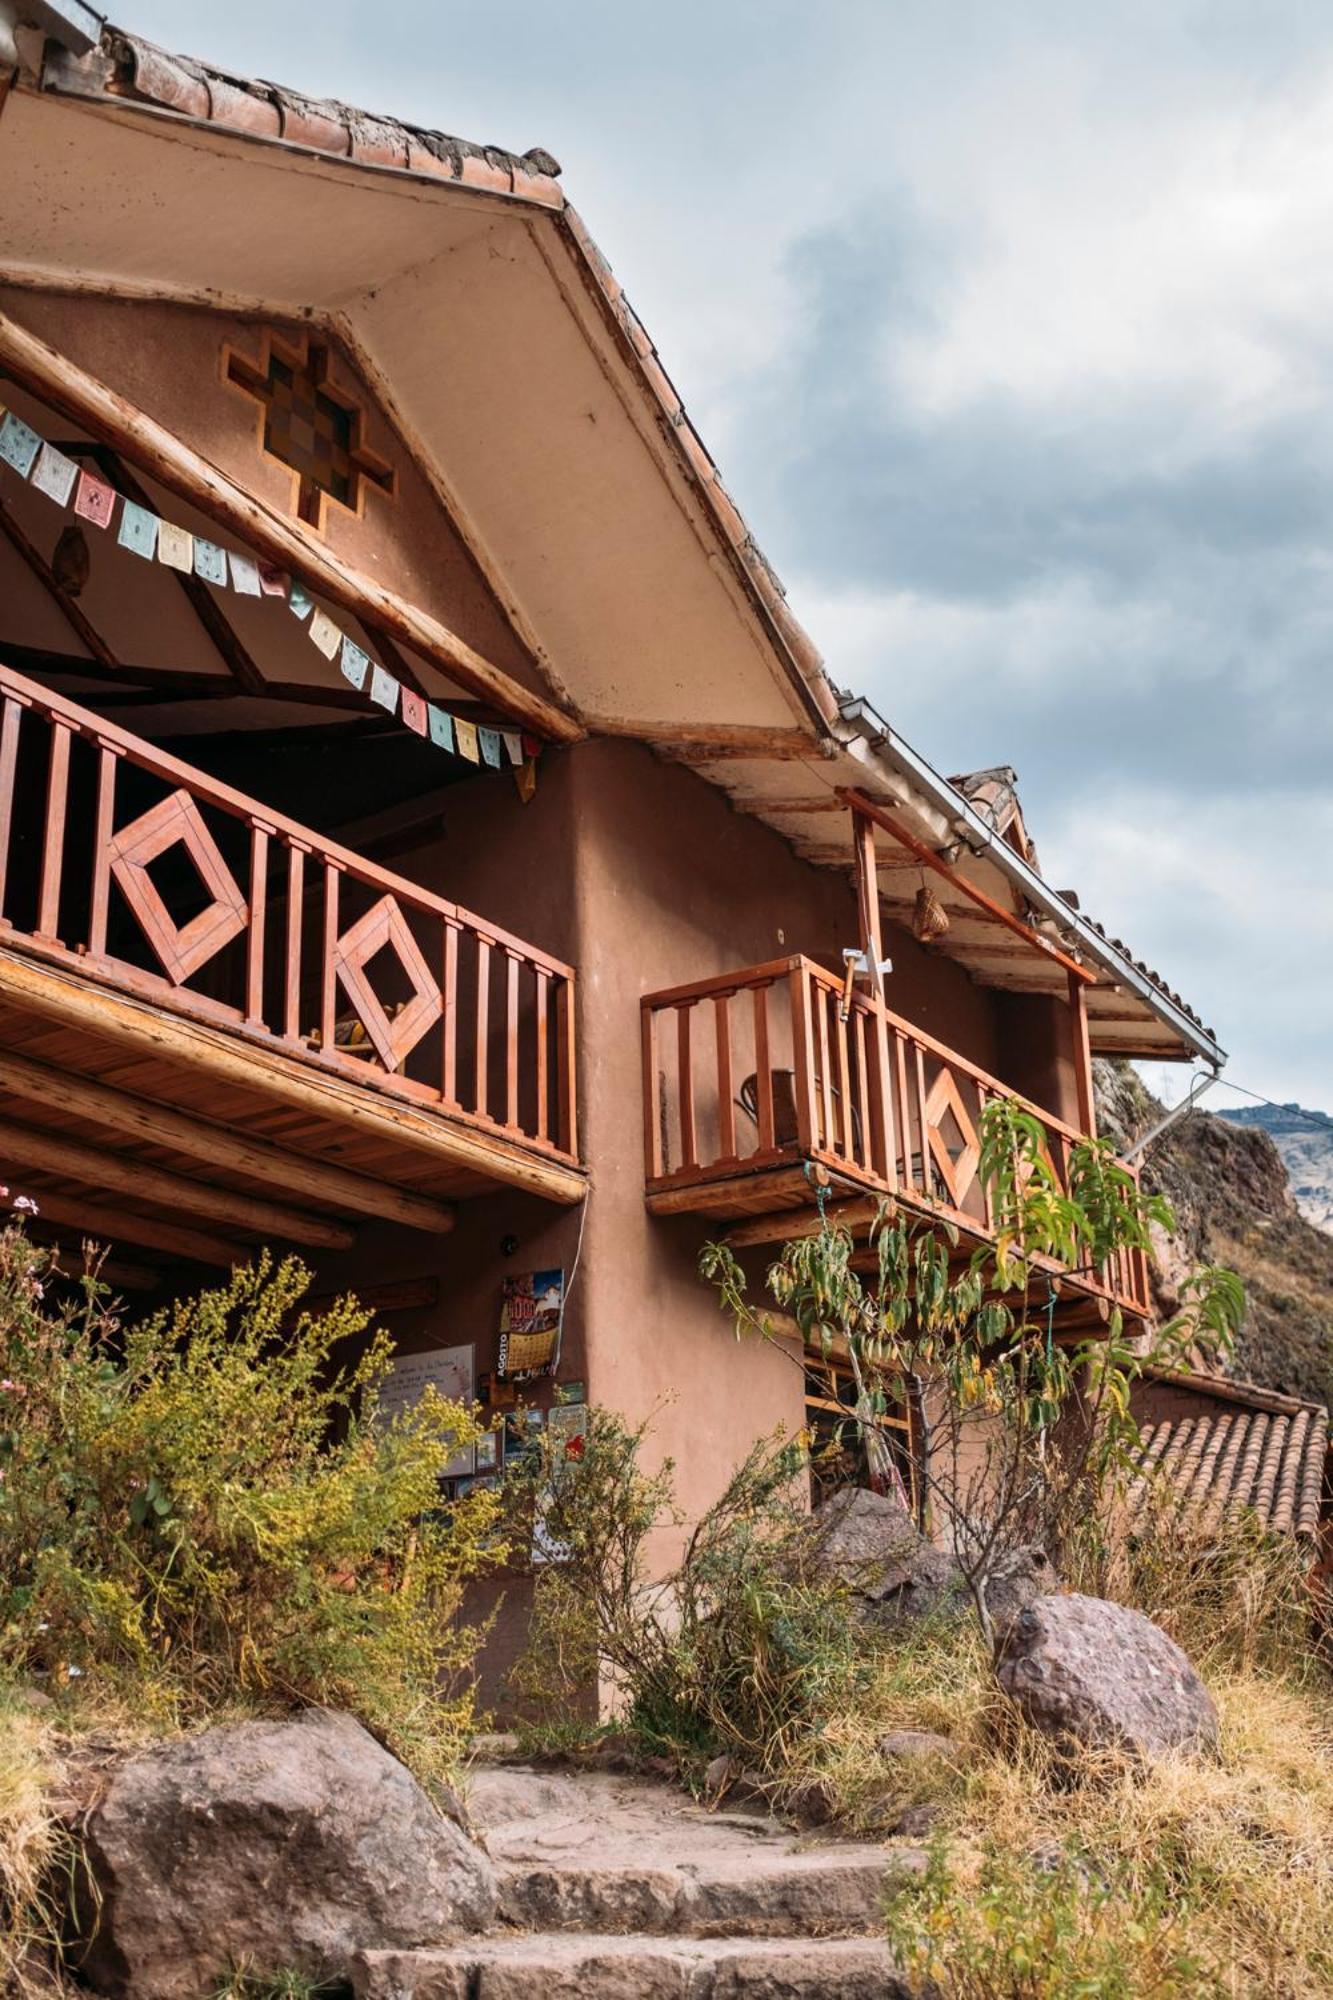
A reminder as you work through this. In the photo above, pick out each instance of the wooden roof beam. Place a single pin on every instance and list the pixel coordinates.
(895, 828)
(234, 656)
(84, 400)
(70, 610)
(260, 1160)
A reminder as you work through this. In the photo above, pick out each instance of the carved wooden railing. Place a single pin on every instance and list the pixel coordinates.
(169, 885)
(759, 1068)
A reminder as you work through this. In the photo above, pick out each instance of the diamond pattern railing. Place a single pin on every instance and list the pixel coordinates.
(135, 866)
(764, 1068)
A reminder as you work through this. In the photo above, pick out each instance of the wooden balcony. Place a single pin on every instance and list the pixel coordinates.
(197, 991)
(757, 1092)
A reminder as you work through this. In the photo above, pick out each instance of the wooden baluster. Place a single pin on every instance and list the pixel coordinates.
(482, 1045)
(511, 1042)
(652, 1124)
(905, 1110)
(983, 1099)
(567, 1068)
(763, 1072)
(53, 845)
(726, 1109)
(819, 1000)
(802, 1034)
(103, 826)
(328, 1013)
(9, 752)
(296, 854)
(449, 1020)
(927, 1176)
(870, 1153)
(543, 1054)
(689, 1145)
(840, 1033)
(254, 943)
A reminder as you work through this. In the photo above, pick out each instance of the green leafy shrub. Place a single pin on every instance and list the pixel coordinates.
(206, 1509)
(1021, 1929)
(740, 1647)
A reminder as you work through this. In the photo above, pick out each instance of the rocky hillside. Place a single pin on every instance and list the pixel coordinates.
(1233, 1203)
(1305, 1141)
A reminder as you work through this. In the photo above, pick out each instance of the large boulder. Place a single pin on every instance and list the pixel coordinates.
(1094, 1675)
(284, 1845)
(871, 1544)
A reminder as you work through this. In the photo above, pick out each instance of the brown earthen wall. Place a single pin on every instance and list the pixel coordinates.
(168, 360)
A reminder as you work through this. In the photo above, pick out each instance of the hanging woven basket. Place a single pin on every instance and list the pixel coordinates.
(930, 919)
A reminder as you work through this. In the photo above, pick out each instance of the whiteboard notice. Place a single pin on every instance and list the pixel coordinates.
(448, 1369)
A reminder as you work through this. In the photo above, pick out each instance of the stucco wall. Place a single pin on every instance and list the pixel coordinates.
(168, 361)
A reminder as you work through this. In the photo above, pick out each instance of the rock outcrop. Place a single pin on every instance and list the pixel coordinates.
(1093, 1675)
(286, 1845)
(896, 1575)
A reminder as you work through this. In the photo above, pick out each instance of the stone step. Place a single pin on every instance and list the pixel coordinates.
(563, 1965)
(769, 1892)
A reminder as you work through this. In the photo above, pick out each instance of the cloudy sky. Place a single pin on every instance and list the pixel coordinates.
(1011, 327)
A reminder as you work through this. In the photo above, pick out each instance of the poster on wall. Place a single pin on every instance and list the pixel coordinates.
(530, 1320)
(447, 1369)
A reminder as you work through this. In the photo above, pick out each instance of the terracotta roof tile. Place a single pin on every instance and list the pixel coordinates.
(1224, 1460)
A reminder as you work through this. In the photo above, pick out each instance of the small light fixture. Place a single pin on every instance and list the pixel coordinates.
(71, 563)
(930, 919)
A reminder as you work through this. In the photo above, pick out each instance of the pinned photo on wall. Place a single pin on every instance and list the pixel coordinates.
(531, 1317)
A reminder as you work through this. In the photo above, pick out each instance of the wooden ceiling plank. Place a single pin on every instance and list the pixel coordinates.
(261, 1160)
(105, 1224)
(57, 1153)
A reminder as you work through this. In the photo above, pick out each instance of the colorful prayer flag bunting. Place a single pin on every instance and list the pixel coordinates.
(19, 444)
(244, 574)
(531, 747)
(489, 740)
(94, 500)
(441, 728)
(210, 562)
(299, 602)
(412, 708)
(513, 743)
(54, 475)
(466, 734)
(175, 547)
(354, 664)
(138, 530)
(384, 689)
(325, 634)
(272, 580)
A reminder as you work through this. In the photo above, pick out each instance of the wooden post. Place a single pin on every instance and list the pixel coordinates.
(1078, 1023)
(802, 1035)
(879, 1085)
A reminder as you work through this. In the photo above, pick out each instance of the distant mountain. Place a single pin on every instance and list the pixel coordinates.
(1305, 1141)
(1227, 1183)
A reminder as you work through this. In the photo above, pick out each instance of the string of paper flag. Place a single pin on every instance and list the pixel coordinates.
(93, 499)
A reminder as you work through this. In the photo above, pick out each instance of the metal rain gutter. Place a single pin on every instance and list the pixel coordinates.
(863, 721)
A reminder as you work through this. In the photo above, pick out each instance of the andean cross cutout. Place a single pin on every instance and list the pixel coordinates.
(310, 426)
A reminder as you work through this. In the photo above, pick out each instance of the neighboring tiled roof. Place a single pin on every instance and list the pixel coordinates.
(1267, 1453)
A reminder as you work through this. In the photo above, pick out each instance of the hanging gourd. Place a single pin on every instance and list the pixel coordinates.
(930, 919)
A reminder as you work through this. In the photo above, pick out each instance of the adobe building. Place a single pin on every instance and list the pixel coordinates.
(429, 841)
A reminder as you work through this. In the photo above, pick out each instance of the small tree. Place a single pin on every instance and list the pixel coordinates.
(1023, 1430)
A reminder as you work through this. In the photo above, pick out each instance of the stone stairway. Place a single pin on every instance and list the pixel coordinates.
(617, 1889)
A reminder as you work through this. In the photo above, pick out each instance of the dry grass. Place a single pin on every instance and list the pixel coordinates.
(32, 1846)
(1226, 1864)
